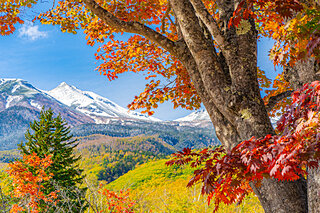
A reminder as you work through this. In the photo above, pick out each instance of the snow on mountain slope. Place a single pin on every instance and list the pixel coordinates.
(201, 115)
(97, 107)
(19, 93)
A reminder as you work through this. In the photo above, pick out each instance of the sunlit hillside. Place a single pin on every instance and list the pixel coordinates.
(107, 158)
(137, 164)
(158, 188)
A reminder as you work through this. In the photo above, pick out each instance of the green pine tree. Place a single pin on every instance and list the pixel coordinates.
(51, 136)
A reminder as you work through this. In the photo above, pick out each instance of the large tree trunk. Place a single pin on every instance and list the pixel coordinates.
(306, 72)
(313, 183)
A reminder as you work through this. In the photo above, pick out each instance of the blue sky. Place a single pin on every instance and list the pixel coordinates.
(45, 57)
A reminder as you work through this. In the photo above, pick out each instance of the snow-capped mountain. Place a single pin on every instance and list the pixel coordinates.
(97, 107)
(198, 118)
(201, 115)
(17, 92)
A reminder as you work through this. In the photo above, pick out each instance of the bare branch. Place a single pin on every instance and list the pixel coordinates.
(275, 99)
(130, 26)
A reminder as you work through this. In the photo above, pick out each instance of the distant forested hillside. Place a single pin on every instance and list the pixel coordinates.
(9, 156)
(15, 120)
(107, 158)
(171, 133)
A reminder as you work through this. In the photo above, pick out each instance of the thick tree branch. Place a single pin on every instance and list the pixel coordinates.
(130, 26)
(209, 21)
(225, 130)
(275, 99)
(201, 50)
(302, 72)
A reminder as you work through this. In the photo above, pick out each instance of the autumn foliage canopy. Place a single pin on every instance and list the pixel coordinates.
(117, 201)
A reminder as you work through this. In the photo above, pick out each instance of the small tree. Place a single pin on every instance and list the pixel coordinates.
(51, 136)
(27, 176)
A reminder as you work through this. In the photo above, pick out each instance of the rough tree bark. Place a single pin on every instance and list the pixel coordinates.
(225, 80)
(306, 72)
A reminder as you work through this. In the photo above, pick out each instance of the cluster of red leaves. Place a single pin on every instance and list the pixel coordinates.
(226, 175)
(217, 171)
(282, 8)
(27, 176)
(118, 202)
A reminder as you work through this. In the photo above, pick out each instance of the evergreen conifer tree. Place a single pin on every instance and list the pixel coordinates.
(51, 136)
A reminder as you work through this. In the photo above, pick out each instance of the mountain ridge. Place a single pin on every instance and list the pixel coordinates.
(87, 102)
(99, 108)
(200, 115)
(18, 92)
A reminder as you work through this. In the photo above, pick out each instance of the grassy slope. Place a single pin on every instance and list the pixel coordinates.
(150, 174)
(159, 188)
(96, 149)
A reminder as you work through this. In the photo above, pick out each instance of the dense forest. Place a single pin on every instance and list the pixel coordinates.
(107, 158)
(179, 136)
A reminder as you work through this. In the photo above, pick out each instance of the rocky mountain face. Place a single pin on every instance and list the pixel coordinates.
(88, 113)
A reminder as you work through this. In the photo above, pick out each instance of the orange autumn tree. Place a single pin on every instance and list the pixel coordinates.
(27, 175)
(116, 201)
(204, 51)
